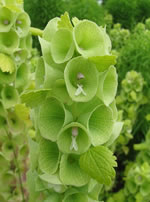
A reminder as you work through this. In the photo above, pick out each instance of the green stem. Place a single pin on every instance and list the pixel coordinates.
(36, 32)
(141, 146)
(17, 165)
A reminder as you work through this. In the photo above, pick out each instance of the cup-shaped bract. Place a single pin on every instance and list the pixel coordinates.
(10, 96)
(50, 29)
(47, 55)
(70, 171)
(40, 73)
(90, 39)
(6, 77)
(74, 139)
(78, 197)
(81, 79)
(20, 55)
(22, 76)
(22, 24)
(7, 19)
(62, 46)
(99, 128)
(52, 117)
(60, 91)
(108, 85)
(9, 46)
(16, 126)
(49, 156)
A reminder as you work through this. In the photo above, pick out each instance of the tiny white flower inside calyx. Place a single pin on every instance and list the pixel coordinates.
(19, 22)
(74, 136)
(80, 90)
(6, 22)
(80, 86)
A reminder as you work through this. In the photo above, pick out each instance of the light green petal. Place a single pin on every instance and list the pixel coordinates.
(40, 73)
(114, 110)
(49, 156)
(54, 197)
(115, 133)
(7, 19)
(76, 197)
(103, 62)
(99, 123)
(65, 139)
(16, 126)
(62, 46)
(89, 43)
(52, 118)
(108, 85)
(76, 66)
(50, 29)
(22, 24)
(34, 154)
(9, 46)
(70, 171)
(60, 92)
(10, 96)
(22, 77)
(20, 55)
(47, 55)
(51, 76)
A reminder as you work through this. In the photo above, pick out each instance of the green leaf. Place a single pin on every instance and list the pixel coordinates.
(64, 22)
(6, 63)
(98, 162)
(103, 62)
(22, 112)
(35, 97)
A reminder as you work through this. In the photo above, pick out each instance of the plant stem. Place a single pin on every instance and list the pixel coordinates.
(17, 165)
(141, 146)
(36, 32)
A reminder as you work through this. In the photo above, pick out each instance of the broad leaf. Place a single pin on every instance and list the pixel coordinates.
(98, 162)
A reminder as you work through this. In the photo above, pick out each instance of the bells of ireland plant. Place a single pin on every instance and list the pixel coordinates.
(15, 71)
(74, 113)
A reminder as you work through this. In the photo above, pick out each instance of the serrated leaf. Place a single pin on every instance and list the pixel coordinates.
(64, 22)
(35, 97)
(103, 62)
(6, 63)
(98, 162)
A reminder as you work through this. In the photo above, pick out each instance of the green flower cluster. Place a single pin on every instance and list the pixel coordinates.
(129, 100)
(74, 113)
(15, 46)
(137, 186)
(118, 36)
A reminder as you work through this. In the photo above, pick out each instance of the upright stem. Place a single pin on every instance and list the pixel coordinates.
(36, 32)
(19, 174)
(141, 146)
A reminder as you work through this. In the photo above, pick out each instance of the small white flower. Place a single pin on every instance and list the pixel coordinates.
(80, 90)
(74, 136)
(74, 144)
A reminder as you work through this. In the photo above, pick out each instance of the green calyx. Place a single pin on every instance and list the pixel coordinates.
(73, 111)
